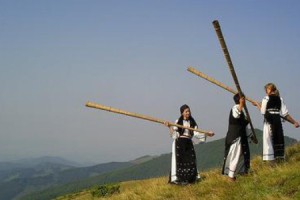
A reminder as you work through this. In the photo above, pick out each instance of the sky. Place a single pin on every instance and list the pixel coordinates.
(133, 55)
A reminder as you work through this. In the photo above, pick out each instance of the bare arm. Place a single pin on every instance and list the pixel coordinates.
(290, 119)
(257, 104)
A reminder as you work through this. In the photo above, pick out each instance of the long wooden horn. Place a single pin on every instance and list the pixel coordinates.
(216, 82)
(148, 118)
(232, 71)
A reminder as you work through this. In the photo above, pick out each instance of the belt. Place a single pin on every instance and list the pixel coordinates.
(274, 112)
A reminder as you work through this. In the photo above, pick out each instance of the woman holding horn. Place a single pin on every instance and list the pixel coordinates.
(273, 108)
(184, 163)
(237, 153)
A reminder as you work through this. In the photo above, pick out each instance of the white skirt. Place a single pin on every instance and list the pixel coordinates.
(268, 150)
(234, 160)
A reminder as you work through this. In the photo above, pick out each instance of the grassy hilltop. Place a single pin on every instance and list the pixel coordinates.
(281, 181)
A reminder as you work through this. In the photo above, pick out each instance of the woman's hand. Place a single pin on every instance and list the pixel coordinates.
(296, 124)
(257, 104)
(167, 124)
(210, 134)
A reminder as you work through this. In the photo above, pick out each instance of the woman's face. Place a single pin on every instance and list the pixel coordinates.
(186, 113)
(268, 90)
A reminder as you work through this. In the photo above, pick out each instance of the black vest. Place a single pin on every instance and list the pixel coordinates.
(273, 105)
(236, 128)
(192, 125)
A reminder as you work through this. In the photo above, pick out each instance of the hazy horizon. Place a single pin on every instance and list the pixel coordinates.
(133, 55)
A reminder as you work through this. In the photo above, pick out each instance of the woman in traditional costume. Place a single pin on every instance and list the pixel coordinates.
(184, 163)
(274, 109)
(237, 154)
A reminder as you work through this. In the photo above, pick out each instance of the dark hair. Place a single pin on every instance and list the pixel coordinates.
(183, 107)
(236, 97)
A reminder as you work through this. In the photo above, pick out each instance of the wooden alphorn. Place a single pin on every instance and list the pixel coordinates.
(218, 83)
(144, 117)
(232, 71)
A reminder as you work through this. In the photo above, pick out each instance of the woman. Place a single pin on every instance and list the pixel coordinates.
(237, 154)
(184, 163)
(273, 109)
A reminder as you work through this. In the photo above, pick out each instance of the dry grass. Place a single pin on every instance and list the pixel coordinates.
(265, 181)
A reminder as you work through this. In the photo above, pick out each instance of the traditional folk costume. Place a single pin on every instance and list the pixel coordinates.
(237, 154)
(184, 163)
(273, 108)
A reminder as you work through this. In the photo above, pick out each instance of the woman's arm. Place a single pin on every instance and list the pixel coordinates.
(292, 121)
(173, 130)
(262, 105)
(202, 136)
(286, 116)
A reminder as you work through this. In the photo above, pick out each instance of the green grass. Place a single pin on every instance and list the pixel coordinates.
(265, 182)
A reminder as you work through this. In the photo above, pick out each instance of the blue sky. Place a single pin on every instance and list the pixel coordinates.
(133, 55)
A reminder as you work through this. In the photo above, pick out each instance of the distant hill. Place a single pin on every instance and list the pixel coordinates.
(33, 162)
(18, 181)
(29, 175)
(142, 159)
(17, 176)
(265, 182)
(209, 155)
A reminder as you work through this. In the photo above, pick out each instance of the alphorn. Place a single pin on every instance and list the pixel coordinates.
(234, 76)
(148, 118)
(218, 83)
(222, 85)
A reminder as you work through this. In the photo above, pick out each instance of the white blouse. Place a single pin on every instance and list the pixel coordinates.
(236, 113)
(175, 134)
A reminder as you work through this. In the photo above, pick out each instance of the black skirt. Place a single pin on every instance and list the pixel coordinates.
(277, 135)
(186, 165)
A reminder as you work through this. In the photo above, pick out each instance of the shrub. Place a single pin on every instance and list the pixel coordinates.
(105, 190)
